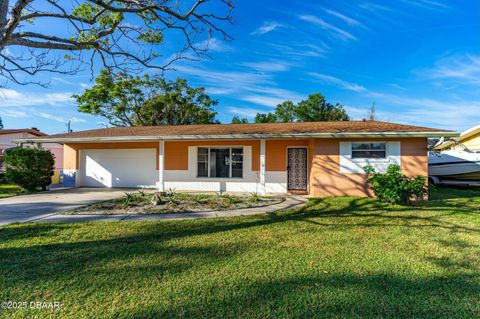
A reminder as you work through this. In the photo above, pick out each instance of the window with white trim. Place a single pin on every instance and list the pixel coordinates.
(220, 162)
(369, 150)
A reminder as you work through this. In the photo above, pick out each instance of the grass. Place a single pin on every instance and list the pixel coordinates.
(173, 202)
(9, 190)
(336, 258)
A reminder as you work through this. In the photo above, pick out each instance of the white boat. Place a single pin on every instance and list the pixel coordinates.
(456, 160)
(454, 165)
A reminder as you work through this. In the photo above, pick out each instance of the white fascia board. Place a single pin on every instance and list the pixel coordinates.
(65, 140)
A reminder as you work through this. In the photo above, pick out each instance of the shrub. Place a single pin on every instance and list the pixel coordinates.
(394, 187)
(254, 197)
(29, 167)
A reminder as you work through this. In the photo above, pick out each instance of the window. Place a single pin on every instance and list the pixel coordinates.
(220, 162)
(202, 162)
(369, 150)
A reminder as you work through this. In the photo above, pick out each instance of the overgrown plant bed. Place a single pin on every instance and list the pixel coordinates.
(171, 202)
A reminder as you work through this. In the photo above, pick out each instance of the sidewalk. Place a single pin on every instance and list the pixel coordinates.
(289, 203)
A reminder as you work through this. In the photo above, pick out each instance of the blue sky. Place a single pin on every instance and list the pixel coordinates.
(418, 60)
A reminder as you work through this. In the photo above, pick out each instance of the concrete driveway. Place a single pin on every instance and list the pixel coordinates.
(30, 207)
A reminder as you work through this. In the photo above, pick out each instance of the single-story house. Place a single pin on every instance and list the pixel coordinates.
(316, 158)
(7, 136)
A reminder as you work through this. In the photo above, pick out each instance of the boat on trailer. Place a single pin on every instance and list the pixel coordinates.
(456, 160)
(454, 167)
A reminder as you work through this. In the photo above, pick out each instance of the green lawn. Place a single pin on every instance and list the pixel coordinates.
(337, 258)
(9, 190)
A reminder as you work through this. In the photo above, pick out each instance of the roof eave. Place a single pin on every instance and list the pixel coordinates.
(64, 140)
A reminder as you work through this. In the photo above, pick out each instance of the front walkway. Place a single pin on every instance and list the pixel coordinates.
(289, 203)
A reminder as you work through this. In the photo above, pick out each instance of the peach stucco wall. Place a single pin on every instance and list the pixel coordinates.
(276, 153)
(176, 152)
(326, 179)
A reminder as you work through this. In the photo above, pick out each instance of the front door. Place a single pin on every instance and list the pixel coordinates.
(297, 169)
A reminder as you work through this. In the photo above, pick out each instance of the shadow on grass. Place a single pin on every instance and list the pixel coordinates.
(100, 260)
(331, 296)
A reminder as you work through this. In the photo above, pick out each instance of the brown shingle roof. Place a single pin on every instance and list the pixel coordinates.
(260, 129)
(22, 130)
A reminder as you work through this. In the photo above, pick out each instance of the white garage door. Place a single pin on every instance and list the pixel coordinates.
(118, 168)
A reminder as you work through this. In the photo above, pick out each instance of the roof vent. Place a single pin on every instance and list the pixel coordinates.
(35, 129)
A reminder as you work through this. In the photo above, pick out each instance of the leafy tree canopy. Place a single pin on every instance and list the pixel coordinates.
(265, 118)
(126, 100)
(313, 109)
(1, 123)
(238, 120)
(121, 35)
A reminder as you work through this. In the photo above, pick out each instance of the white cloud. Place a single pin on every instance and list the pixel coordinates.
(344, 18)
(59, 118)
(253, 87)
(300, 49)
(340, 33)
(6, 51)
(233, 80)
(61, 80)
(448, 112)
(13, 113)
(455, 114)
(242, 111)
(77, 120)
(464, 68)
(374, 7)
(269, 66)
(215, 45)
(266, 27)
(270, 101)
(427, 4)
(10, 97)
(396, 86)
(9, 94)
(219, 90)
(52, 117)
(338, 82)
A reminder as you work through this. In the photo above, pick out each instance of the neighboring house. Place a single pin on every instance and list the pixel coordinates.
(468, 140)
(7, 136)
(316, 158)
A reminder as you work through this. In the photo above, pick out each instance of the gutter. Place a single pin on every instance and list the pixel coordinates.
(66, 140)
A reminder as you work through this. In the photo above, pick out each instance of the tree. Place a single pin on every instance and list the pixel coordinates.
(238, 120)
(316, 108)
(29, 167)
(1, 123)
(313, 109)
(65, 36)
(285, 112)
(265, 118)
(126, 100)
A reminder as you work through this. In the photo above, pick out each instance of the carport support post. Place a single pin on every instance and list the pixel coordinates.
(262, 167)
(161, 165)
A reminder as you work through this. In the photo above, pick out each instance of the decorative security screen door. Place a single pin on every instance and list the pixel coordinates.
(297, 169)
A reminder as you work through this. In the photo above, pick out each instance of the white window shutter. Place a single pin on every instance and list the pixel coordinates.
(393, 152)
